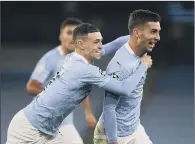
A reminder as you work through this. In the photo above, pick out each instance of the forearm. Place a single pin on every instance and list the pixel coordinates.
(90, 118)
(113, 46)
(86, 105)
(109, 118)
(125, 87)
(33, 88)
(34, 91)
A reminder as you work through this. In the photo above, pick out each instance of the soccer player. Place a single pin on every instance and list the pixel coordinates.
(39, 121)
(46, 69)
(51, 63)
(120, 119)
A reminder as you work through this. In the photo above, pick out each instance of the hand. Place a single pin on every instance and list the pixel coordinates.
(91, 120)
(146, 59)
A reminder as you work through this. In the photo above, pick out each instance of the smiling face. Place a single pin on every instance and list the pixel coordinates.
(144, 27)
(88, 41)
(92, 46)
(149, 35)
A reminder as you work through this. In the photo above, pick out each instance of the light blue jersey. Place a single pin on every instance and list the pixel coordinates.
(69, 88)
(46, 69)
(120, 116)
(52, 61)
(48, 66)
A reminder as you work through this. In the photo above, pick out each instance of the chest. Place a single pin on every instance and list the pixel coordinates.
(57, 64)
(128, 67)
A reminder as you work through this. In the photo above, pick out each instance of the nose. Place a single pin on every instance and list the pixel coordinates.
(157, 38)
(100, 46)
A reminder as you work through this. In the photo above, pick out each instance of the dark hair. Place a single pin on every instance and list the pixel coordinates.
(140, 17)
(70, 21)
(84, 29)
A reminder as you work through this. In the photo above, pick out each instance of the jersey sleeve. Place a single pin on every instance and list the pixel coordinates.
(110, 82)
(113, 46)
(42, 70)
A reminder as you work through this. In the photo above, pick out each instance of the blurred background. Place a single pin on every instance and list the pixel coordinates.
(30, 29)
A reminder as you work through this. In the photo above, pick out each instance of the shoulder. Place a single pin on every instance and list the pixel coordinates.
(121, 61)
(51, 53)
(90, 70)
(47, 59)
(122, 50)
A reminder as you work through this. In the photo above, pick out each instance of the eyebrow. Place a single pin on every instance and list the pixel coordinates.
(98, 40)
(156, 29)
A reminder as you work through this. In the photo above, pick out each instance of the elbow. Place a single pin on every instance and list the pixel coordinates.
(127, 90)
(124, 91)
(32, 87)
(29, 88)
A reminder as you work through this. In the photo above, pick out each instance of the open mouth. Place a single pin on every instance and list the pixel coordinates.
(152, 44)
(98, 52)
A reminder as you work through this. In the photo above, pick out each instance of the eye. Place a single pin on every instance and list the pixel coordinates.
(69, 32)
(98, 41)
(153, 31)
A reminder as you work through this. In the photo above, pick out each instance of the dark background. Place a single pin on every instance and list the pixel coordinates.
(29, 29)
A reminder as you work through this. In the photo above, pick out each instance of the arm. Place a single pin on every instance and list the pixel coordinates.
(93, 75)
(33, 87)
(39, 76)
(126, 86)
(109, 117)
(113, 46)
(91, 120)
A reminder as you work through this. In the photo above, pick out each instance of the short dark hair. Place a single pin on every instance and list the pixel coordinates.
(84, 29)
(140, 17)
(70, 21)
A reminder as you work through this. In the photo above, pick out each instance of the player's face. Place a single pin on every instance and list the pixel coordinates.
(92, 45)
(150, 35)
(66, 38)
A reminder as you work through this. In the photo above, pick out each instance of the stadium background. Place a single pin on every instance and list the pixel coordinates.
(29, 29)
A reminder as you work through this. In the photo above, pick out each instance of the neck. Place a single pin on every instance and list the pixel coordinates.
(81, 53)
(65, 50)
(135, 47)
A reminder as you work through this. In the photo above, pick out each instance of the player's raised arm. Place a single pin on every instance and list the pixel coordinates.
(93, 75)
(113, 46)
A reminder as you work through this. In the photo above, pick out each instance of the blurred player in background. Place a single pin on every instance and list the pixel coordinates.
(51, 63)
(120, 119)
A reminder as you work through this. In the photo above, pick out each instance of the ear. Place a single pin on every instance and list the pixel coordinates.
(136, 32)
(80, 44)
